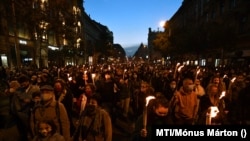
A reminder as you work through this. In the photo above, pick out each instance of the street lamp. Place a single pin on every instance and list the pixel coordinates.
(162, 24)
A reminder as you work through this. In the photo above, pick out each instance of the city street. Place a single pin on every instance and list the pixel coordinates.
(122, 130)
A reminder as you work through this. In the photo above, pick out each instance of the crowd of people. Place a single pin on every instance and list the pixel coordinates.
(82, 103)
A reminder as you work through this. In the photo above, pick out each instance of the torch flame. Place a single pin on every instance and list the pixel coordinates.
(222, 94)
(198, 71)
(179, 69)
(93, 75)
(232, 80)
(225, 76)
(148, 99)
(214, 111)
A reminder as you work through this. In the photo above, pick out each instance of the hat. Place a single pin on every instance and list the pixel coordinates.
(47, 87)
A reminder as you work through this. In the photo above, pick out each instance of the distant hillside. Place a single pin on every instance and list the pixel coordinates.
(130, 51)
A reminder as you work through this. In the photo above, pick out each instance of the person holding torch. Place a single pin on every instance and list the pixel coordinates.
(212, 98)
(157, 114)
(183, 105)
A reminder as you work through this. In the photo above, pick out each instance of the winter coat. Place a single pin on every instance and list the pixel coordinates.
(183, 107)
(97, 127)
(52, 111)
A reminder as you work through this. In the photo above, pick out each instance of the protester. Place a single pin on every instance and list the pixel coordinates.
(243, 100)
(9, 130)
(81, 102)
(211, 98)
(64, 95)
(22, 104)
(157, 115)
(217, 80)
(170, 89)
(50, 109)
(95, 122)
(184, 104)
(124, 97)
(233, 103)
(107, 90)
(139, 98)
(199, 89)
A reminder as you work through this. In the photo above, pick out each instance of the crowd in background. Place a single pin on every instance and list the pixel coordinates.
(81, 103)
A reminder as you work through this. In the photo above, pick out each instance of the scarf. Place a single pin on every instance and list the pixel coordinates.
(92, 123)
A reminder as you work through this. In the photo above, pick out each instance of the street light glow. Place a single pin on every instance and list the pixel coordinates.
(162, 23)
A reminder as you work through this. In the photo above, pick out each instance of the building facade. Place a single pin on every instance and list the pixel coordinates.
(214, 31)
(44, 33)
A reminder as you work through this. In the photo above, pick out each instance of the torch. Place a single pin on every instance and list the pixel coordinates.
(179, 69)
(145, 111)
(176, 69)
(196, 75)
(233, 79)
(231, 83)
(93, 78)
(212, 112)
(58, 73)
(222, 94)
(124, 73)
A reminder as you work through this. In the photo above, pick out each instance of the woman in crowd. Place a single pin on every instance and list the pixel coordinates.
(211, 98)
(64, 95)
(95, 122)
(81, 102)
